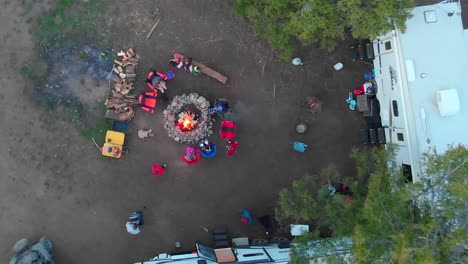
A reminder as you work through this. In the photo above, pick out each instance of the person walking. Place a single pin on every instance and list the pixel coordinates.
(134, 222)
(246, 216)
(132, 228)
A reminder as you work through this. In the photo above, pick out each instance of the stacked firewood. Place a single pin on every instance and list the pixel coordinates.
(121, 102)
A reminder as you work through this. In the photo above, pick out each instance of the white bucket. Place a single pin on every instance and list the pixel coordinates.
(338, 66)
(297, 61)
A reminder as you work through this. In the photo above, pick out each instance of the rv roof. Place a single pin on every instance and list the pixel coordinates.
(435, 44)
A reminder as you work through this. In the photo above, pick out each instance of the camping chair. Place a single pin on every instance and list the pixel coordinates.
(147, 101)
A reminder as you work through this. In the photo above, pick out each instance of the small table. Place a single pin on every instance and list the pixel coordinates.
(112, 150)
(299, 230)
(114, 137)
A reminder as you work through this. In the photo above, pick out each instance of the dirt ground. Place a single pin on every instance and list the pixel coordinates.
(54, 182)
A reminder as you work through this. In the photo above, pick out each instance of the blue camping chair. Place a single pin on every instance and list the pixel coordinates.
(219, 108)
(210, 154)
(169, 75)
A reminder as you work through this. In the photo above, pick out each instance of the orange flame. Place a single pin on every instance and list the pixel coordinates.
(187, 123)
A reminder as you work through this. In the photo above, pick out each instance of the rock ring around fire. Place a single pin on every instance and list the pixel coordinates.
(183, 104)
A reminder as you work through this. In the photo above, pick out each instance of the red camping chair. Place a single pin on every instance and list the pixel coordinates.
(191, 156)
(228, 129)
(147, 101)
(158, 75)
(158, 170)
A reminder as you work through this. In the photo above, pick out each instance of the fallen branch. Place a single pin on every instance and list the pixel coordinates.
(213, 40)
(153, 28)
(274, 90)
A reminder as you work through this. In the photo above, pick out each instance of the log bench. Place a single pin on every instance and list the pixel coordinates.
(208, 71)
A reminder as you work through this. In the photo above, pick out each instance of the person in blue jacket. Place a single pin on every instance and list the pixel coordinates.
(246, 216)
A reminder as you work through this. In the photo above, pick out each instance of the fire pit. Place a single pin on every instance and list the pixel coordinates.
(186, 118)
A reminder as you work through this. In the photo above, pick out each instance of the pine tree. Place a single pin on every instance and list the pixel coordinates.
(389, 219)
(322, 22)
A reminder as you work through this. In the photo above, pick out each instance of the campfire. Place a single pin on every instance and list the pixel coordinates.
(187, 120)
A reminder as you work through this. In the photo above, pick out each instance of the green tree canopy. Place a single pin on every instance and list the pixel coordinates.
(322, 22)
(389, 219)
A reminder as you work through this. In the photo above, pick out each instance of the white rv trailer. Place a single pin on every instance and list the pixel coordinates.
(422, 84)
(278, 253)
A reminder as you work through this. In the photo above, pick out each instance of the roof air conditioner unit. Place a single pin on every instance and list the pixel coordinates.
(448, 102)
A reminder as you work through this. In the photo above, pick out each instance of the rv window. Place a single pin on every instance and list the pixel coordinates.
(395, 107)
(400, 137)
(252, 255)
(407, 172)
(206, 252)
(388, 45)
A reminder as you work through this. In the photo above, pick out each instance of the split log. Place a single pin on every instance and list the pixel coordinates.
(117, 87)
(117, 95)
(121, 110)
(131, 101)
(126, 63)
(122, 105)
(130, 69)
(125, 116)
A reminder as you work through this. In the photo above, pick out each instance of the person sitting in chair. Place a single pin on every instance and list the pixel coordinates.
(159, 83)
(156, 80)
(186, 63)
(175, 61)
